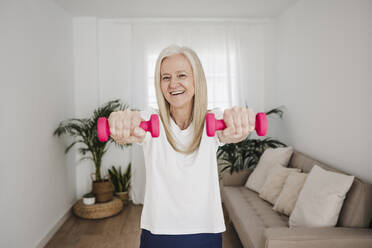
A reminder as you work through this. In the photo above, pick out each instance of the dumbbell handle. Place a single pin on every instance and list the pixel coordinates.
(103, 129)
(213, 125)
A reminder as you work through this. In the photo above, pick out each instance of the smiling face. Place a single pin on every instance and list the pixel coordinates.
(177, 81)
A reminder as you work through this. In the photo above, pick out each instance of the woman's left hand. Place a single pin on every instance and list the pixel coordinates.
(240, 122)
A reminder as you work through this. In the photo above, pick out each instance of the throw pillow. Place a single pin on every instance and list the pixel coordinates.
(321, 198)
(287, 199)
(270, 157)
(274, 182)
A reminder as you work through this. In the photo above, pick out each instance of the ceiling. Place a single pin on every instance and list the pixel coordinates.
(176, 8)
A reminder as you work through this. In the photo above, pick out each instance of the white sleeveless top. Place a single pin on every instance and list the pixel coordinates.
(182, 193)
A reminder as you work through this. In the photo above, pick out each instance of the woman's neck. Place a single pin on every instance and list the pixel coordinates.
(182, 116)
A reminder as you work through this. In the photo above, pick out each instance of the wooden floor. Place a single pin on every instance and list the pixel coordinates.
(122, 230)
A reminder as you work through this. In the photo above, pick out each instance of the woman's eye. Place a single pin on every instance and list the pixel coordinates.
(182, 75)
(165, 78)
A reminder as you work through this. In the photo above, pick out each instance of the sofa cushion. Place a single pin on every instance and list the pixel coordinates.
(319, 237)
(320, 199)
(274, 182)
(291, 189)
(269, 158)
(356, 210)
(251, 215)
(236, 178)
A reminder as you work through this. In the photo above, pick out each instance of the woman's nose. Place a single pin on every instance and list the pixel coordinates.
(173, 82)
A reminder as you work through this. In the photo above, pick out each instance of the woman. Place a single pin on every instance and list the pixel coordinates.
(182, 205)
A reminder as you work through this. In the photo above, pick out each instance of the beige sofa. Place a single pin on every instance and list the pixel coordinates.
(259, 226)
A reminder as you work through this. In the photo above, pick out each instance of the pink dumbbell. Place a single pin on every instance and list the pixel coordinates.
(152, 126)
(213, 125)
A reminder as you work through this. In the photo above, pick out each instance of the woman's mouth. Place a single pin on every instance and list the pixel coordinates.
(177, 93)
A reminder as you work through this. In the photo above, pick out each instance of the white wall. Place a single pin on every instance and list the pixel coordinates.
(37, 180)
(318, 64)
(96, 83)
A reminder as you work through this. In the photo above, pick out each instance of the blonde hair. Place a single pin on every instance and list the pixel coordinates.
(200, 100)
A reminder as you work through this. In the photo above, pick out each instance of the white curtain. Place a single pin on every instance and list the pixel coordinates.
(232, 55)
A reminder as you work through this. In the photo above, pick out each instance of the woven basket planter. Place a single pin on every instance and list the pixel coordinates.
(104, 190)
(98, 210)
(123, 196)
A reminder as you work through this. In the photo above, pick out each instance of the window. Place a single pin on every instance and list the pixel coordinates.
(151, 60)
(217, 73)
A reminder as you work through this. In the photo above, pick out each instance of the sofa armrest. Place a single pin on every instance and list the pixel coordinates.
(304, 237)
(235, 179)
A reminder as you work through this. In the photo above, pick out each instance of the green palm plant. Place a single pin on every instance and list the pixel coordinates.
(85, 132)
(121, 181)
(245, 155)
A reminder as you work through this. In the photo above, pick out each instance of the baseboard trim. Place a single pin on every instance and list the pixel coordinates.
(55, 228)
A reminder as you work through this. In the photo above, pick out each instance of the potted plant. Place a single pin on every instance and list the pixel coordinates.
(245, 155)
(85, 132)
(121, 182)
(89, 198)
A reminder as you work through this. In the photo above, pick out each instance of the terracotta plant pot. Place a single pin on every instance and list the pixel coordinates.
(123, 196)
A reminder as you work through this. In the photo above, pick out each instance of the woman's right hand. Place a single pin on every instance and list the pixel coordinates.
(124, 126)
